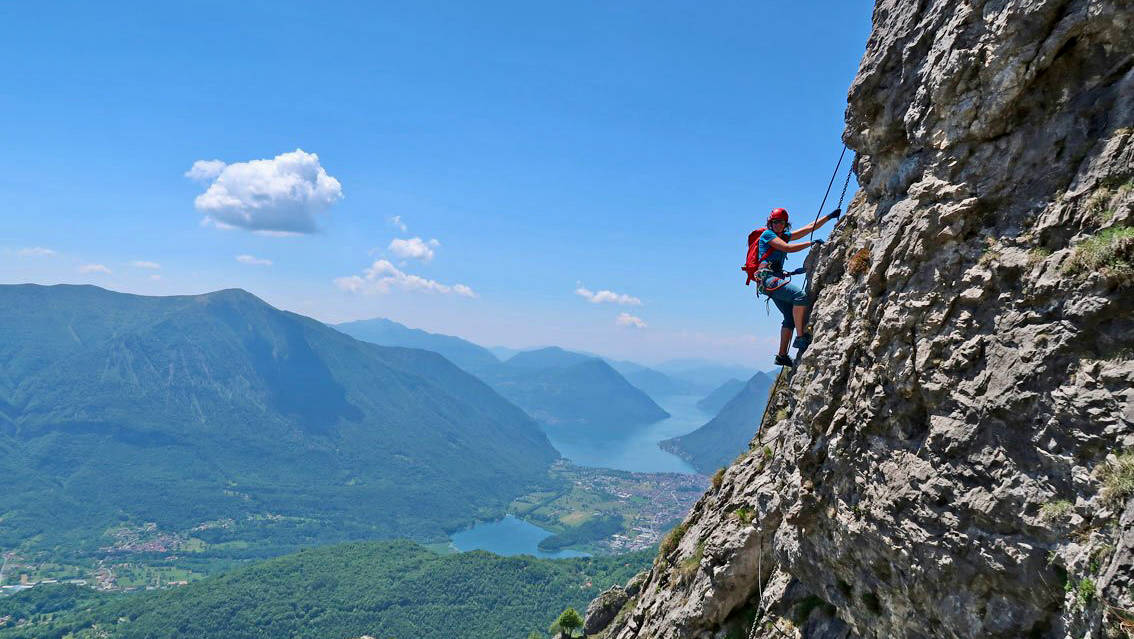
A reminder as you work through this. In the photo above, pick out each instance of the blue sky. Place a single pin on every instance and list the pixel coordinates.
(625, 147)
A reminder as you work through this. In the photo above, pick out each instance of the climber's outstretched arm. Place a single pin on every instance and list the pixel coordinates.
(781, 245)
(833, 215)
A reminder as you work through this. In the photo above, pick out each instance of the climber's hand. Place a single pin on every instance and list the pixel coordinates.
(816, 242)
(799, 271)
(834, 215)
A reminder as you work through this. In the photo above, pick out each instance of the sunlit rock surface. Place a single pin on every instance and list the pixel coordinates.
(947, 460)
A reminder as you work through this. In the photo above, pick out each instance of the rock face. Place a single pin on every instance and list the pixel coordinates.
(602, 610)
(953, 456)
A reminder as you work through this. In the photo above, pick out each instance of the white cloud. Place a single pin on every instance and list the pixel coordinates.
(278, 196)
(397, 222)
(253, 260)
(35, 251)
(153, 266)
(607, 296)
(382, 277)
(626, 319)
(414, 248)
(93, 268)
(205, 170)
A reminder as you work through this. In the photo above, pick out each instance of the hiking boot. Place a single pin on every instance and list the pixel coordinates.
(784, 360)
(802, 342)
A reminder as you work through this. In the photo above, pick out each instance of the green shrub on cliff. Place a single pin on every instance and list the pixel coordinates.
(670, 541)
(1111, 253)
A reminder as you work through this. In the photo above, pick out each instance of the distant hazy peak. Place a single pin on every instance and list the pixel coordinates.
(549, 357)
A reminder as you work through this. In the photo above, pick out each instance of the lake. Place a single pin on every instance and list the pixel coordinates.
(509, 536)
(632, 448)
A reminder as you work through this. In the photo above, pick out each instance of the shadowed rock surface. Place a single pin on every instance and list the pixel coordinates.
(951, 459)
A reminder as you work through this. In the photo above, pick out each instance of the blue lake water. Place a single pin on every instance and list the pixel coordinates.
(632, 448)
(509, 536)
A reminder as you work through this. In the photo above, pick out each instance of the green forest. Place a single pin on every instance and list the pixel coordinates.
(118, 410)
(383, 589)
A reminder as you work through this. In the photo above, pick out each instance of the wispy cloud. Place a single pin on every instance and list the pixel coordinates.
(93, 268)
(205, 170)
(153, 266)
(396, 222)
(253, 260)
(280, 196)
(36, 251)
(413, 248)
(383, 277)
(155, 277)
(607, 297)
(631, 321)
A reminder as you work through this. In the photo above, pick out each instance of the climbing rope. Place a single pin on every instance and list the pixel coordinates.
(831, 183)
(782, 378)
(819, 213)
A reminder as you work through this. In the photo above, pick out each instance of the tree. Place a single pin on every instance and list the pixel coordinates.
(566, 624)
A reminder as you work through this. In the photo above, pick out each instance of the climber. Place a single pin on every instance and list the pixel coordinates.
(767, 249)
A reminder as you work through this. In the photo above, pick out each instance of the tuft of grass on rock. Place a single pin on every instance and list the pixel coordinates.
(691, 564)
(718, 478)
(671, 539)
(744, 515)
(1098, 202)
(1057, 510)
(1038, 254)
(1118, 479)
(1111, 253)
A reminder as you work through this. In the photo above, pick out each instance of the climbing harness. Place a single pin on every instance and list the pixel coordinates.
(757, 268)
(754, 266)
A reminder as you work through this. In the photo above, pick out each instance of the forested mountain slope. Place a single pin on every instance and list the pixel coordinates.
(561, 387)
(380, 589)
(180, 410)
(716, 400)
(725, 436)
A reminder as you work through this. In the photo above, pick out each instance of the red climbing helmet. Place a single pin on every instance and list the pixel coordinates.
(778, 215)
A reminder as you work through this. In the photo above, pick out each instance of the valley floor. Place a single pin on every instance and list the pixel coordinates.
(634, 510)
(647, 505)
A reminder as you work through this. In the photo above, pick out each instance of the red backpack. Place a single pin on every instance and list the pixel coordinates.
(752, 263)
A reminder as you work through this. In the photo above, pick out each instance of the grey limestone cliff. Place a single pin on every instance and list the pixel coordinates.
(955, 455)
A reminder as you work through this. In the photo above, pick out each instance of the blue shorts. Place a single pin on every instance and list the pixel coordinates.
(785, 298)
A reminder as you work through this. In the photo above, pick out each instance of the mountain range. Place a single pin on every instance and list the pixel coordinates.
(716, 400)
(720, 440)
(386, 332)
(120, 408)
(553, 385)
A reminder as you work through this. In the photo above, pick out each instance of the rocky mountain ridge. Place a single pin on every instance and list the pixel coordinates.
(953, 456)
